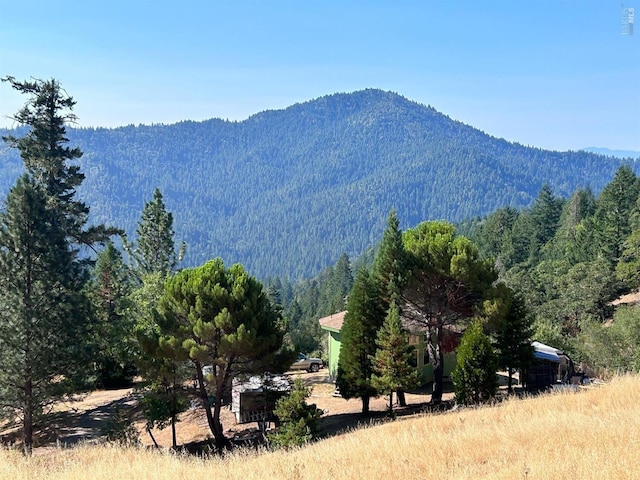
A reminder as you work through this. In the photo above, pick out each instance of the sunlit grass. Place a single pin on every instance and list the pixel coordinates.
(593, 434)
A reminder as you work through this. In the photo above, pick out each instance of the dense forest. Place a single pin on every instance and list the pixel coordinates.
(287, 192)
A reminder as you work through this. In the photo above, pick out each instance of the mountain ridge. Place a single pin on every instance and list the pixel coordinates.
(287, 191)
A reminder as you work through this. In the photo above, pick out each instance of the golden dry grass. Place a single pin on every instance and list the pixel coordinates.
(594, 434)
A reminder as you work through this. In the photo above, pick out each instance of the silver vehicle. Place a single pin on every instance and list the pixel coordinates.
(307, 363)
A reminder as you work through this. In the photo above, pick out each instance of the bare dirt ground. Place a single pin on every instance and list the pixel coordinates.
(86, 418)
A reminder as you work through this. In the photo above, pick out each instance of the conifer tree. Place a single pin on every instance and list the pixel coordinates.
(49, 160)
(361, 324)
(112, 329)
(299, 420)
(615, 207)
(390, 264)
(447, 287)
(513, 339)
(475, 377)
(392, 369)
(223, 318)
(390, 270)
(44, 311)
(155, 250)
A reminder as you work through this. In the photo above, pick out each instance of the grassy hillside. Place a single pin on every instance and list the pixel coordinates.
(594, 434)
(287, 192)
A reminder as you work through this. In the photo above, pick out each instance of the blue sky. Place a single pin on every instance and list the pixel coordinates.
(549, 73)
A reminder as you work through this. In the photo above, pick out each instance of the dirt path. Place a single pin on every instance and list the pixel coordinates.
(87, 418)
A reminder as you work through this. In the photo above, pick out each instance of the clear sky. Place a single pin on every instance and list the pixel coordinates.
(554, 74)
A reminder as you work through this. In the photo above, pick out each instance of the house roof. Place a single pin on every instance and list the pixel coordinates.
(545, 352)
(333, 322)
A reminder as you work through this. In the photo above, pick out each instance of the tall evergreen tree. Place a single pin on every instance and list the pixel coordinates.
(567, 241)
(513, 339)
(340, 285)
(42, 313)
(615, 206)
(52, 272)
(49, 160)
(359, 331)
(545, 219)
(155, 250)
(390, 271)
(392, 369)
(112, 330)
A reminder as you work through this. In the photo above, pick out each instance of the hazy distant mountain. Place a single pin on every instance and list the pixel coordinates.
(286, 192)
(613, 153)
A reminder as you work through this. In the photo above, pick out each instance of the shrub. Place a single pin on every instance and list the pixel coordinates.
(298, 420)
(474, 378)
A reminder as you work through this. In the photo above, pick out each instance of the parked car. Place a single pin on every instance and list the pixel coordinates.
(309, 364)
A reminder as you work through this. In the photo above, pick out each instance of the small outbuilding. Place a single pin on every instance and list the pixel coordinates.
(253, 399)
(551, 366)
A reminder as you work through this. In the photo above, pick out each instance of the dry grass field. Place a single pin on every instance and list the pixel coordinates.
(592, 434)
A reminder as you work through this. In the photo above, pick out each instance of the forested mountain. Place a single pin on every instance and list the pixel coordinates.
(287, 192)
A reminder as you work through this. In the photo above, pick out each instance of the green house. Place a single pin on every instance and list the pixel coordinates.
(333, 324)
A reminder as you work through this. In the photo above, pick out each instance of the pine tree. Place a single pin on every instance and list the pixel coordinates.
(155, 251)
(615, 207)
(447, 287)
(390, 263)
(390, 270)
(545, 220)
(361, 324)
(299, 420)
(112, 330)
(392, 370)
(222, 318)
(475, 377)
(42, 313)
(44, 310)
(513, 339)
(48, 159)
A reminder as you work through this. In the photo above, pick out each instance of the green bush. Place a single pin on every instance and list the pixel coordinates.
(474, 378)
(298, 421)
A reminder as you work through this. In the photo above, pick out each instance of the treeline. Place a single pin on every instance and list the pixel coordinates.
(567, 259)
(570, 258)
(287, 192)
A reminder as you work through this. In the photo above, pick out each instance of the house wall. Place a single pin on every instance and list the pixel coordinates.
(422, 361)
(335, 342)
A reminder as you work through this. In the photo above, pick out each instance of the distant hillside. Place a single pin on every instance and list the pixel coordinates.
(614, 153)
(286, 192)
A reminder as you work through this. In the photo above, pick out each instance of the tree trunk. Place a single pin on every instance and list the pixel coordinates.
(174, 438)
(153, 439)
(401, 400)
(218, 434)
(391, 402)
(204, 398)
(365, 404)
(510, 381)
(27, 422)
(436, 358)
